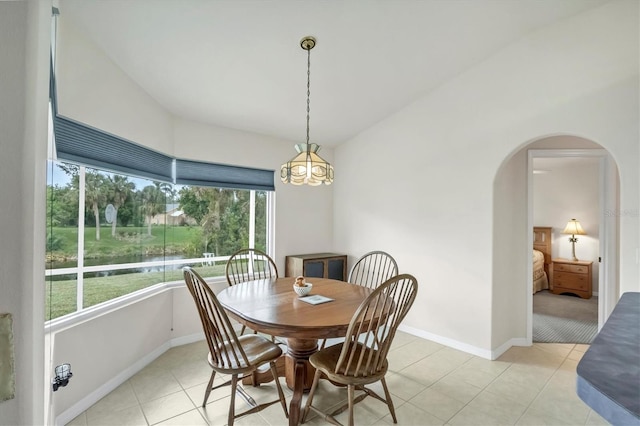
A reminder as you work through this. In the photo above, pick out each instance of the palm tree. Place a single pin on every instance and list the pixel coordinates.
(119, 191)
(95, 196)
(153, 202)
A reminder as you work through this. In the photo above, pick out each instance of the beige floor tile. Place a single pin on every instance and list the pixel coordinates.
(505, 410)
(216, 412)
(472, 416)
(495, 367)
(424, 373)
(456, 388)
(326, 396)
(402, 386)
(564, 406)
(511, 390)
(366, 412)
(180, 355)
(514, 354)
(273, 414)
(80, 420)
(153, 383)
(131, 416)
(434, 367)
(581, 348)
(528, 385)
(193, 373)
(256, 420)
(575, 355)
(410, 415)
(190, 418)
(120, 398)
(402, 339)
(166, 407)
(594, 419)
(436, 403)
(528, 376)
(196, 393)
(410, 353)
(531, 419)
(560, 349)
(473, 376)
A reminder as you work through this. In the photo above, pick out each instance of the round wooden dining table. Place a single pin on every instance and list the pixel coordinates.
(270, 306)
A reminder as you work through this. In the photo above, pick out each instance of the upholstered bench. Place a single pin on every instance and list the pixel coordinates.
(609, 372)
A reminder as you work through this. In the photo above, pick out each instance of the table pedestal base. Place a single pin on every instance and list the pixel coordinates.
(299, 373)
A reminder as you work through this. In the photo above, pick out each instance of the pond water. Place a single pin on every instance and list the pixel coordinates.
(117, 261)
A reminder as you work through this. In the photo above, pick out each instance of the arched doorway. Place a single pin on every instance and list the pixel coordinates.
(513, 236)
(605, 257)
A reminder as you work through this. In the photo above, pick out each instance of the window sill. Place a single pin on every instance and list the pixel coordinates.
(95, 311)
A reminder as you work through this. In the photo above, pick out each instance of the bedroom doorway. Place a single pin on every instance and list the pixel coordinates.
(600, 248)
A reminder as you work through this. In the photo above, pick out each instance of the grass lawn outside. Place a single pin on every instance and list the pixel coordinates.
(61, 295)
(128, 241)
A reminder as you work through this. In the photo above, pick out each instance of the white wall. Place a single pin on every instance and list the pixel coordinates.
(24, 31)
(433, 204)
(571, 191)
(303, 215)
(92, 90)
(102, 348)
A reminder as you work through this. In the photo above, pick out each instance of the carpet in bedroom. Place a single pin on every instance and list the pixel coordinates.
(563, 318)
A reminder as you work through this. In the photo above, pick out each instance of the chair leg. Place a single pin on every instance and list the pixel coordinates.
(350, 392)
(232, 404)
(307, 407)
(242, 330)
(209, 386)
(387, 396)
(283, 401)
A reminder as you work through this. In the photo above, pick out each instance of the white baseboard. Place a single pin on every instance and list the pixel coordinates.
(185, 340)
(83, 405)
(482, 353)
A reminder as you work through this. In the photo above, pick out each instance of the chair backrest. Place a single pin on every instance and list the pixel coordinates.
(372, 269)
(248, 265)
(222, 339)
(373, 327)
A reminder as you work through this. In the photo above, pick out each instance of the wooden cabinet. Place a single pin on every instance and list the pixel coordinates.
(572, 277)
(320, 265)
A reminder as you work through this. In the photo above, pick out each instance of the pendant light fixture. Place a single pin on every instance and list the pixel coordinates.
(307, 168)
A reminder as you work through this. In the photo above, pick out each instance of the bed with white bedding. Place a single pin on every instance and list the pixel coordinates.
(541, 257)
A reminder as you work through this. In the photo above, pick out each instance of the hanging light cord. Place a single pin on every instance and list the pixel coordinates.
(308, 92)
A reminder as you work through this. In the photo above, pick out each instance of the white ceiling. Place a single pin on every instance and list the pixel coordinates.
(238, 63)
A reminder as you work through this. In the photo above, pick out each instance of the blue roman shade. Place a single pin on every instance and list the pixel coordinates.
(78, 143)
(223, 176)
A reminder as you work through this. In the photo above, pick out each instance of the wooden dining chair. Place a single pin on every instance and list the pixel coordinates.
(372, 269)
(238, 356)
(362, 358)
(248, 265)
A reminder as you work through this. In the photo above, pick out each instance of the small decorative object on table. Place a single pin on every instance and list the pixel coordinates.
(301, 287)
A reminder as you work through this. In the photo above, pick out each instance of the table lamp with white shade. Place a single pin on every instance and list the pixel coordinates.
(573, 228)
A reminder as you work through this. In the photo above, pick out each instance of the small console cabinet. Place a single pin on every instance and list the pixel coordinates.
(319, 265)
(572, 277)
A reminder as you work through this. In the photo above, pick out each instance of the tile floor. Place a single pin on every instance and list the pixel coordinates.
(430, 384)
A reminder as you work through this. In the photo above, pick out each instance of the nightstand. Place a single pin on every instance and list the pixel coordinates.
(572, 277)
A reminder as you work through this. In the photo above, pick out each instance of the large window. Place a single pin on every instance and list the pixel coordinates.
(112, 234)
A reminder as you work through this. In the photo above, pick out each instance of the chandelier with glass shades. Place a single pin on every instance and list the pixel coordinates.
(307, 168)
